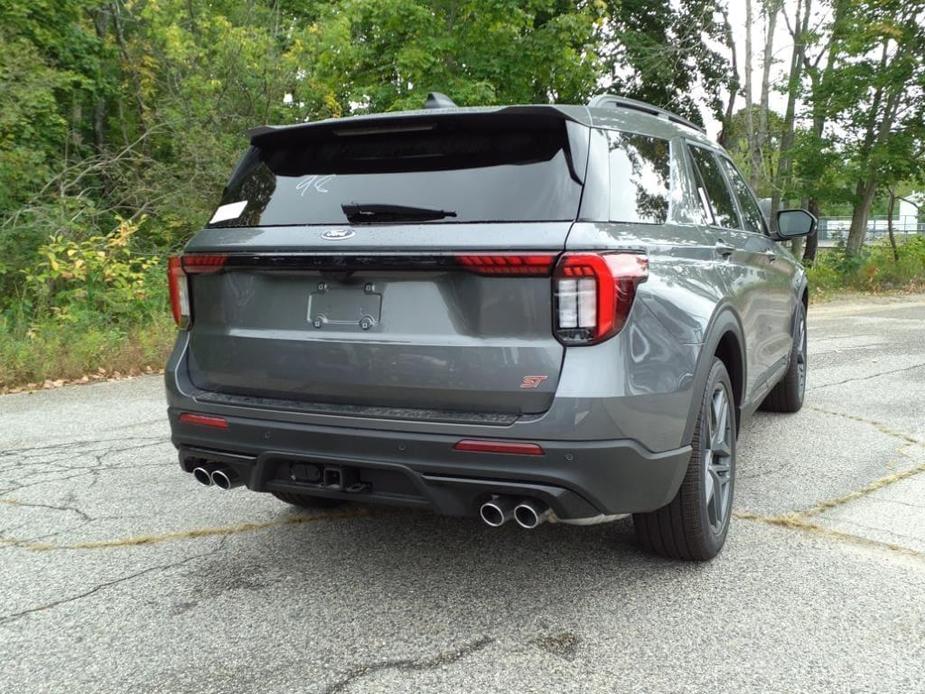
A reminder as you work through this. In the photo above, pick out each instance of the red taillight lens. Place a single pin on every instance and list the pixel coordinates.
(204, 420)
(514, 447)
(179, 292)
(534, 264)
(178, 270)
(203, 262)
(593, 294)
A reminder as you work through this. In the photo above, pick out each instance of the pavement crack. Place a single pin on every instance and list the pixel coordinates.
(24, 504)
(801, 520)
(8, 618)
(879, 426)
(410, 664)
(67, 445)
(155, 539)
(796, 521)
(867, 377)
(870, 488)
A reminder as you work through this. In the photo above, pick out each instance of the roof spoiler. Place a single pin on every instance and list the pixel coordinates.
(438, 100)
(409, 119)
(615, 101)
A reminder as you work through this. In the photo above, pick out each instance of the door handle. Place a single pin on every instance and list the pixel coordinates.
(770, 255)
(724, 249)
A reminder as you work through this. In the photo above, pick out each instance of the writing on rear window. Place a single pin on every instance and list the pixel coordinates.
(313, 184)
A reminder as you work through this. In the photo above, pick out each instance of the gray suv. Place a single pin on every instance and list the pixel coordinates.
(528, 313)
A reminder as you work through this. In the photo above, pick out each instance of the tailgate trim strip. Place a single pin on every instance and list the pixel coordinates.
(500, 419)
(540, 262)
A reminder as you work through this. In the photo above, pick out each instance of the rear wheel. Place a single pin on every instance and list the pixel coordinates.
(694, 524)
(306, 501)
(787, 396)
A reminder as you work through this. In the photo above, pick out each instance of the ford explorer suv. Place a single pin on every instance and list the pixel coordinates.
(529, 313)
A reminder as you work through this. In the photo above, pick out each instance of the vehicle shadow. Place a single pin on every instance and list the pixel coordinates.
(380, 559)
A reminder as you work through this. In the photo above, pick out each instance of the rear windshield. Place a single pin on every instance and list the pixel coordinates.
(482, 168)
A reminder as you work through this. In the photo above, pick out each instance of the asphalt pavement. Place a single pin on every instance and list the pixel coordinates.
(118, 573)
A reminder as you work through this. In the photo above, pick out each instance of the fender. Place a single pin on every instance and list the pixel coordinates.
(724, 320)
(802, 286)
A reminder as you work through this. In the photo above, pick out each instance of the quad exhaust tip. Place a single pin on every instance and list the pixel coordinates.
(530, 514)
(224, 478)
(203, 476)
(497, 511)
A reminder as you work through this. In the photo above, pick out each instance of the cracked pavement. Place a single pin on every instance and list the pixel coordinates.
(119, 573)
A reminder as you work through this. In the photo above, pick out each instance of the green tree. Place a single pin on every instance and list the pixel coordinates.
(663, 52)
(878, 100)
(380, 55)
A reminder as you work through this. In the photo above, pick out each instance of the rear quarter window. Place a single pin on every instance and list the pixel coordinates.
(640, 178)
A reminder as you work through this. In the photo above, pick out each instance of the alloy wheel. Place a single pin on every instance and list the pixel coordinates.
(717, 459)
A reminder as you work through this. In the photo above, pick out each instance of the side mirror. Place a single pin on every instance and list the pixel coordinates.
(794, 223)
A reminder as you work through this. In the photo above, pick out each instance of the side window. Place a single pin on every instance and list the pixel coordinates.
(713, 189)
(640, 178)
(754, 220)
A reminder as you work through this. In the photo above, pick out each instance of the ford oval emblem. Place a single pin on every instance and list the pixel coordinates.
(338, 234)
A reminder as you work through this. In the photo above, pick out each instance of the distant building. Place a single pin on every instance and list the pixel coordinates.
(911, 212)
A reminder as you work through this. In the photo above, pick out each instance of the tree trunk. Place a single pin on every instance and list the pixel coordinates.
(785, 160)
(754, 153)
(772, 8)
(865, 192)
(127, 65)
(733, 82)
(812, 241)
(891, 207)
(100, 105)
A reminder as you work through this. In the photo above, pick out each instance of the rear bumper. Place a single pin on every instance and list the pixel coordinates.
(578, 479)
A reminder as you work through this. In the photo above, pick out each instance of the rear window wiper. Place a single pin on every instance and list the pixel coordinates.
(358, 213)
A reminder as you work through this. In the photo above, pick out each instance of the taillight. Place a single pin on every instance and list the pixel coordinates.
(203, 262)
(178, 270)
(593, 294)
(534, 264)
(179, 292)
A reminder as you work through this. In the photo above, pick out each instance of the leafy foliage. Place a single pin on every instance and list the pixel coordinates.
(662, 52)
(873, 269)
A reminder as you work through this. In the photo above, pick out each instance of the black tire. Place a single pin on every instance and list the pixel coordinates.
(787, 395)
(307, 501)
(693, 526)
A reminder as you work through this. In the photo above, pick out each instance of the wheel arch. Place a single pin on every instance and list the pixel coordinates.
(724, 339)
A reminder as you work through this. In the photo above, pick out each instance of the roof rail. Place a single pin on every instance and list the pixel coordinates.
(614, 101)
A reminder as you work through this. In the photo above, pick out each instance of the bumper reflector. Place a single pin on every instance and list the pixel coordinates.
(515, 448)
(204, 420)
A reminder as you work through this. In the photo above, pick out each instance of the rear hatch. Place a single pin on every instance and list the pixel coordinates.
(390, 263)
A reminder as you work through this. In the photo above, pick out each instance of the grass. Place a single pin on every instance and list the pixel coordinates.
(52, 352)
(875, 270)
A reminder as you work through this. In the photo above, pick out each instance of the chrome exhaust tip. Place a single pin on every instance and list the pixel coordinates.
(224, 478)
(496, 511)
(203, 476)
(529, 514)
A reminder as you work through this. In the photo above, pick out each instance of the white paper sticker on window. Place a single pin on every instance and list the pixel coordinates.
(232, 210)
